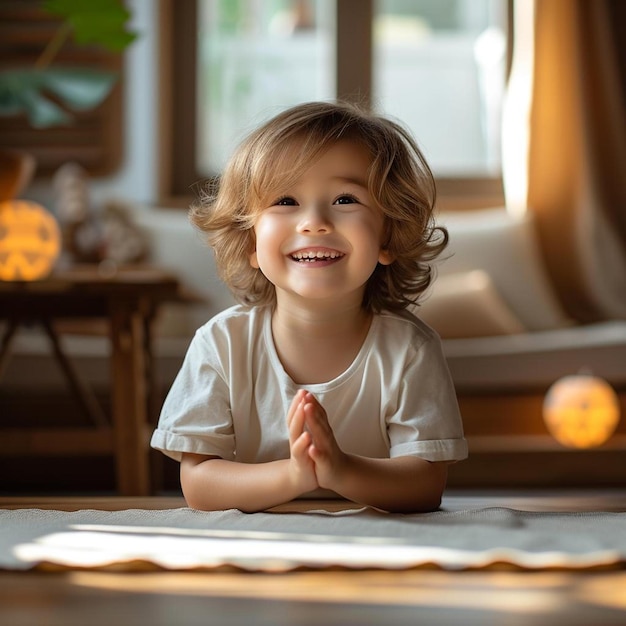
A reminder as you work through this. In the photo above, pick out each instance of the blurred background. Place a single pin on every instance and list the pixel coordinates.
(518, 107)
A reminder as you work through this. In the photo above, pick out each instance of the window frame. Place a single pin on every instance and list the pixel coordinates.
(178, 174)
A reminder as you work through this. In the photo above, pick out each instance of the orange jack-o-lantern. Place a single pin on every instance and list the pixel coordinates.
(581, 411)
(30, 241)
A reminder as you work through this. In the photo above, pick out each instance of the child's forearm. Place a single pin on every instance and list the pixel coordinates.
(403, 484)
(216, 484)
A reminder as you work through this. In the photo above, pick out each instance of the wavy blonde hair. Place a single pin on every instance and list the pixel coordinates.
(399, 180)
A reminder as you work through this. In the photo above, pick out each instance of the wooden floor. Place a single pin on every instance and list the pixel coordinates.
(333, 598)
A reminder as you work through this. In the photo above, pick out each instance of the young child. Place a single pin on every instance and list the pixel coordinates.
(320, 379)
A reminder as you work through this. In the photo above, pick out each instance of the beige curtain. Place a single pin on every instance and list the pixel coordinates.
(577, 153)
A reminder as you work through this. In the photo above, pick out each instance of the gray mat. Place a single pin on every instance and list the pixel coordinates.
(183, 539)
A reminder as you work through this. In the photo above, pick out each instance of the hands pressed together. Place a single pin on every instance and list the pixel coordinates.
(316, 460)
(403, 484)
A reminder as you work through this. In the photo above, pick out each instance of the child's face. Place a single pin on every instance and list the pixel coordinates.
(322, 237)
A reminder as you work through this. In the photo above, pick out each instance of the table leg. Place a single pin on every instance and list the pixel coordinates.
(129, 411)
(82, 392)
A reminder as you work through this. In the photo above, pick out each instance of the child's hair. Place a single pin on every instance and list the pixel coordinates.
(399, 181)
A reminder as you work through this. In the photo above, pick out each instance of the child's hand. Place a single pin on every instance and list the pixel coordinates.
(329, 459)
(301, 466)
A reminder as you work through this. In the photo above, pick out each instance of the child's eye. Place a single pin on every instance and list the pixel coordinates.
(285, 201)
(346, 198)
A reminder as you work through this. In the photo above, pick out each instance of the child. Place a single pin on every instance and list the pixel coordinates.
(320, 379)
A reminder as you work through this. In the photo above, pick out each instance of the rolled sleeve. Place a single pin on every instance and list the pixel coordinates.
(196, 415)
(427, 422)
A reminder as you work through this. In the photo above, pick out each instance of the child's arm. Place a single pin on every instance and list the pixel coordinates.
(403, 484)
(211, 483)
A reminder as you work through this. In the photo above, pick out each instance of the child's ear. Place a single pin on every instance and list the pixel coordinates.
(253, 260)
(385, 257)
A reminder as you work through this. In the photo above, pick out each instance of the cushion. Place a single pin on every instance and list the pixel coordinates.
(506, 248)
(467, 304)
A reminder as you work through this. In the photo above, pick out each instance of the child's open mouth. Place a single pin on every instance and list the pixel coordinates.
(317, 256)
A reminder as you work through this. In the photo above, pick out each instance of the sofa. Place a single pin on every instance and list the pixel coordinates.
(500, 319)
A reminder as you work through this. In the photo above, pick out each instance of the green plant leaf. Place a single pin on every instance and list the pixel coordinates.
(23, 91)
(101, 22)
(79, 89)
(41, 112)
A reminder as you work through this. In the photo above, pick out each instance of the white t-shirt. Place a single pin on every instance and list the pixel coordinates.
(231, 396)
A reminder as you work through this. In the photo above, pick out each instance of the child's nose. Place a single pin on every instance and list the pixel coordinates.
(315, 219)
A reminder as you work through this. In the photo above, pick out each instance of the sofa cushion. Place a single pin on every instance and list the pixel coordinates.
(506, 249)
(467, 304)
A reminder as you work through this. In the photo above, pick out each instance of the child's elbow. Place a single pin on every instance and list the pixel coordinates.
(193, 498)
(430, 503)
(434, 483)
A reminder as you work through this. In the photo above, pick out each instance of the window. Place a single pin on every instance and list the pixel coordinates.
(439, 66)
(255, 58)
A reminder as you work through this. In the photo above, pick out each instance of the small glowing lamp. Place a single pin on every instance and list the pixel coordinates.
(581, 411)
(30, 241)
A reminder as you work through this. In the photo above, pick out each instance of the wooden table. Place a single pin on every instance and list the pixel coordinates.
(335, 597)
(128, 300)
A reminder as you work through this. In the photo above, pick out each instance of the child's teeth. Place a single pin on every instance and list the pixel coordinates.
(312, 256)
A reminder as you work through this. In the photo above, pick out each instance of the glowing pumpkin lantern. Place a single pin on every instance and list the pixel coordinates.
(581, 411)
(30, 240)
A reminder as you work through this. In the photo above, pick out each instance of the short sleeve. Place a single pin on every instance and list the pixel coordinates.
(426, 421)
(196, 415)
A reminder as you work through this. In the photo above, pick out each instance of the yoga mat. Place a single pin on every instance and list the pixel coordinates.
(185, 539)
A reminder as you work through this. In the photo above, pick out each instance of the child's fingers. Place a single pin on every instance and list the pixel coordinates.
(323, 443)
(309, 398)
(296, 425)
(297, 399)
(317, 409)
(300, 445)
(316, 421)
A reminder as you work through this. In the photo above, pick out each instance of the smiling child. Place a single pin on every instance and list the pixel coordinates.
(320, 379)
